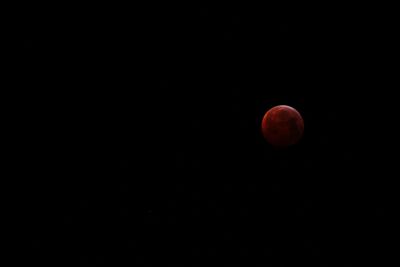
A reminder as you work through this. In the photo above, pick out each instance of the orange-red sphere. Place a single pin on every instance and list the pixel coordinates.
(282, 126)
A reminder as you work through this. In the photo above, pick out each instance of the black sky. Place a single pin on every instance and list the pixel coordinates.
(147, 123)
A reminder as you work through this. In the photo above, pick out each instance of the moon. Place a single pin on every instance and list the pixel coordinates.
(282, 126)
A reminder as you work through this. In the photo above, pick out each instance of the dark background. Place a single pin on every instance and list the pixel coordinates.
(143, 133)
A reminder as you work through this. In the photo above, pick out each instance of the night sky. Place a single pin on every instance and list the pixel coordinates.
(147, 125)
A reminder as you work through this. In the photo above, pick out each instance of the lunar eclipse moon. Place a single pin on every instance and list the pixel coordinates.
(282, 126)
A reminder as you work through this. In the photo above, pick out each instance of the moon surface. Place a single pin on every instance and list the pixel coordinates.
(282, 126)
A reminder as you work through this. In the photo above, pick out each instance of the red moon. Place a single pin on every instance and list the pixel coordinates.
(282, 126)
